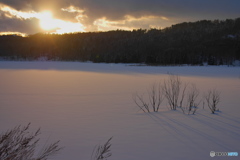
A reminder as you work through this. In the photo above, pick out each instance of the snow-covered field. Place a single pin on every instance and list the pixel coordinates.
(84, 104)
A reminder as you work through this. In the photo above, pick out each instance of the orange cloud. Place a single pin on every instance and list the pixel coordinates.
(13, 33)
(130, 22)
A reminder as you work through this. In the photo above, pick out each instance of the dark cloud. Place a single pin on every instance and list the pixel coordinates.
(171, 8)
(115, 10)
(35, 4)
(119, 8)
(16, 25)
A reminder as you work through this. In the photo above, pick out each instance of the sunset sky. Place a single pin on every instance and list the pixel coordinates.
(65, 16)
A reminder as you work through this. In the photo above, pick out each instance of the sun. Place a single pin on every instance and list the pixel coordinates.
(46, 21)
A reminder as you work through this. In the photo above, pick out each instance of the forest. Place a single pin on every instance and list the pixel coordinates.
(195, 43)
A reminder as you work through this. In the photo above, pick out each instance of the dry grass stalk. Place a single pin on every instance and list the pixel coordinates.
(102, 152)
(20, 144)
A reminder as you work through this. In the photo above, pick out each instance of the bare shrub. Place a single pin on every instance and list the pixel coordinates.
(192, 99)
(178, 95)
(155, 98)
(20, 144)
(212, 98)
(102, 152)
(173, 90)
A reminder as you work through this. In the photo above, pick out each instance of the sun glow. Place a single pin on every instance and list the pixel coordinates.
(46, 21)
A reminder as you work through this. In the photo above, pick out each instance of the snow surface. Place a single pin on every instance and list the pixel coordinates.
(84, 104)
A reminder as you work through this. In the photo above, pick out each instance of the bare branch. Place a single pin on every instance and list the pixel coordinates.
(171, 89)
(155, 98)
(192, 97)
(212, 98)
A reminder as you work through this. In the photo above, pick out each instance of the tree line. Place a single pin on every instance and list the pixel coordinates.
(213, 42)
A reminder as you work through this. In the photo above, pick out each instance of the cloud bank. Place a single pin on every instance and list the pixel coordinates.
(101, 15)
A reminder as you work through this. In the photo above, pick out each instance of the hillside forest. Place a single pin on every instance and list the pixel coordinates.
(194, 43)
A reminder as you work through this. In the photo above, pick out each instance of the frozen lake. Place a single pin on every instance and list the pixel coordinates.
(84, 104)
